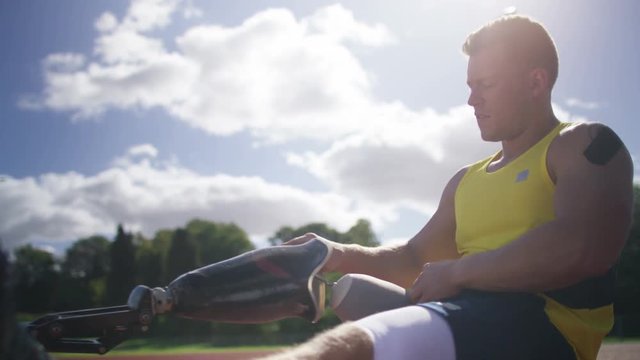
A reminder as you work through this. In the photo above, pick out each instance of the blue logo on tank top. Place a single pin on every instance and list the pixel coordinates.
(522, 175)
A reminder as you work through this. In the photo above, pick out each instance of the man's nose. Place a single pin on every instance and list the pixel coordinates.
(473, 99)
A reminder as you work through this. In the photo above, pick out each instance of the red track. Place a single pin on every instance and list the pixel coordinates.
(208, 356)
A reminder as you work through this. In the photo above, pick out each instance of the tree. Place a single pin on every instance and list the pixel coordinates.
(360, 233)
(149, 260)
(83, 274)
(87, 258)
(283, 234)
(121, 278)
(286, 233)
(218, 241)
(37, 278)
(182, 256)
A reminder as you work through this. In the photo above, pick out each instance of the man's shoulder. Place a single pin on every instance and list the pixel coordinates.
(584, 142)
(575, 137)
(575, 131)
(452, 186)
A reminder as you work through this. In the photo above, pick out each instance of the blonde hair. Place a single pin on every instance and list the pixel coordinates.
(522, 37)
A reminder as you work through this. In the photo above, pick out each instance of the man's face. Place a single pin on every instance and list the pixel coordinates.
(499, 94)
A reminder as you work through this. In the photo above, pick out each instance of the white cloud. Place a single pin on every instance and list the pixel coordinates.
(143, 150)
(190, 11)
(106, 22)
(405, 161)
(339, 24)
(402, 160)
(63, 62)
(564, 115)
(149, 195)
(146, 15)
(586, 105)
(274, 75)
(125, 47)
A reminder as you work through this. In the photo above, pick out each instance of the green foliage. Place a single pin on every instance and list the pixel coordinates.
(97, 272)
(150, 263)
(217, 242)
(73, 294)
(87, 258)
(361, 233)
(182, 256)
(37, 278)
(173, 252)
(83, 274)
(121, 278)
(287, 233)
(162, 241)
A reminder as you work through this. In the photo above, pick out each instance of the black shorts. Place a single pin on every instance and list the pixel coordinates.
(496, 326)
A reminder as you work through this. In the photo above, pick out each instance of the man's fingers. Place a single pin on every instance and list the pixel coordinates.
(301, 239)
(294, 241)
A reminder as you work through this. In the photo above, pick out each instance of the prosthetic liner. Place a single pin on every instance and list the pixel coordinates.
(258, 286)
(355, 296)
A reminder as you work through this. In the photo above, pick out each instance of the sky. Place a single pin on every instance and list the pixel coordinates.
(150, 113)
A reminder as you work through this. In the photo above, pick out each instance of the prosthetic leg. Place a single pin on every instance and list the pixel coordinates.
(259, 286)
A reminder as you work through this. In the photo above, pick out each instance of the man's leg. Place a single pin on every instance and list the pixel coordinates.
(344, 342)
(408, 333)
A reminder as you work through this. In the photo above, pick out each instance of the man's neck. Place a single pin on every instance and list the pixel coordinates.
(539, 128)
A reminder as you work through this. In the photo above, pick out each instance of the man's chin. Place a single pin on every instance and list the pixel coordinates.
(489, 137)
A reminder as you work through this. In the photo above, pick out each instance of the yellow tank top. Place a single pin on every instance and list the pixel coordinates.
(495, 208)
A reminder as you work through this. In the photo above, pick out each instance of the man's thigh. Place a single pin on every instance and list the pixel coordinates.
(409, 333)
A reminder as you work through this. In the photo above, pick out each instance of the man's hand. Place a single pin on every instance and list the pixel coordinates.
(336, 249)
(435, 282)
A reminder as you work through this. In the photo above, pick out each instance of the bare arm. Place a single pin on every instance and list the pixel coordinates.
(401, 263)
(593, 207)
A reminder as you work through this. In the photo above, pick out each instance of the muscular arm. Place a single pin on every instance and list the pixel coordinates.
(401, 263)
(593, 206)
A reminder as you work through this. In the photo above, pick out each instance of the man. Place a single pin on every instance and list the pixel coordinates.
(516, 263)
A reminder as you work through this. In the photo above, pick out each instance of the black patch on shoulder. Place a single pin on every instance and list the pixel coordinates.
(603, 147)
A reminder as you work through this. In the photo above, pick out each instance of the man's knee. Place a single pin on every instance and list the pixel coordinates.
(346, 341)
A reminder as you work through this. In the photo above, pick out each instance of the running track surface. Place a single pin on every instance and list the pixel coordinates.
(210, 356)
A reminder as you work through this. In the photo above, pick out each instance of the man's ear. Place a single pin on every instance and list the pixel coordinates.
(539, 82)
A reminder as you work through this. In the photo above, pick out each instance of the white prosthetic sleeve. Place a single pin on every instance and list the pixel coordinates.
(355, 296)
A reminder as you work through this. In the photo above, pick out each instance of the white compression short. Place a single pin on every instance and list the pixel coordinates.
(409, 333)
